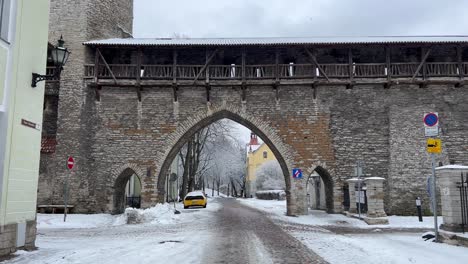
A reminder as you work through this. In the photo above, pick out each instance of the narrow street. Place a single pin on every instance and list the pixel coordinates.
(246, 235)
(225, 232)
(231, 231)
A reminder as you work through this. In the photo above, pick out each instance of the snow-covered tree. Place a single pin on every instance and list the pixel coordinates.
(269, 176)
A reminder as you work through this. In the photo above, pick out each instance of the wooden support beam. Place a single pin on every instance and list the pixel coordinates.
(423, 62)
(350, 64)
(207, 70)
(208, 60)
(314, 61)
(243, 92)
(314, 91)
(208, 88)
(461, 74)
(138, 63)
(388, 65)
(276, 88)
(277, 65)
(175, 89)
(243, 64)
(97, 92)
(138, 74)
(107, 66)
(174, 67)
(138, 90)
(96, 66)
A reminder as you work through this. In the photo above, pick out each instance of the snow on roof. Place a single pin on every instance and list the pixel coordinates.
(255, 147)
(328, 40)
(452, 167)
(195, 193)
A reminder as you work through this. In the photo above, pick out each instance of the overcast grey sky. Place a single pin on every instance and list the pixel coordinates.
(273, 18)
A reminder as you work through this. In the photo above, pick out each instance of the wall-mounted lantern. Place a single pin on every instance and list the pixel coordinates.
(59, 57)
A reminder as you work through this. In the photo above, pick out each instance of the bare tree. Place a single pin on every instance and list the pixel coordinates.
(269, 176)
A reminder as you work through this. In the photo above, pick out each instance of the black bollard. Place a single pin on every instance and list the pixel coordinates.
(418, 206)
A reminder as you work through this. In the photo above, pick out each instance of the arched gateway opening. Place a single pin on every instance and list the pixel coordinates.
(320, 190)
(224, 114)
(127, 189)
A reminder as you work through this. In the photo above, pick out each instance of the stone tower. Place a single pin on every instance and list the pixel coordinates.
(69, 104)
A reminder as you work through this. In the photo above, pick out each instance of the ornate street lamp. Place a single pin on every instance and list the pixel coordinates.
(59, 57)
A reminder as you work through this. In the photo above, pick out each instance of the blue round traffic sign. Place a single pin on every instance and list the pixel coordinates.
(431, 119)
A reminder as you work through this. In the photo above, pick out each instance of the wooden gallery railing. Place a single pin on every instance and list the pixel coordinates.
(282, 71)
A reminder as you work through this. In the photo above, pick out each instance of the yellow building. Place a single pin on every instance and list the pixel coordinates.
(257, 155)
(23, 51)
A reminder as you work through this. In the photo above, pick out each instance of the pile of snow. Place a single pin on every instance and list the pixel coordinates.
(271, 195)
(159, 214)
(49, 221)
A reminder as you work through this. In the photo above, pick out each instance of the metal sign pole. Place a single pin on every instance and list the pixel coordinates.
(359, 187)
(66, 197)
(434, 199)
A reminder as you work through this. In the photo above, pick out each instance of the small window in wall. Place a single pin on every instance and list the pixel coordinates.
(4, 19)
(265, 154)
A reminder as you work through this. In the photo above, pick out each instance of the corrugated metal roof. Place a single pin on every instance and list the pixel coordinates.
(275, 41)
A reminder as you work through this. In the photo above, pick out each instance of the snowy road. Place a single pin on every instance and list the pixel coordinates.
(225, 232)
(229, 231)
(246, 235)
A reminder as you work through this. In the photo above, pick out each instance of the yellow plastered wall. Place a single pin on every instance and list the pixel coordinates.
(256, 159)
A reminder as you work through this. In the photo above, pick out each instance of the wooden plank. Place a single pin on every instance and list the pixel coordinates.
(175, 89)
(243, 92)
(97, 92)
(243, 64)
(206, 65)
(107, 66)
(208, 88)
(314, 61)
(96, 66)
(207, 70)
(174, 66)
(138, 62)
(277, 65)
(265, 82)
(423, 61)
(460, 62)
(388, 62)
(350, 61)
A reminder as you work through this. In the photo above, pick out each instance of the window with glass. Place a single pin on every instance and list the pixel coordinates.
(265, 154)
(4, 19)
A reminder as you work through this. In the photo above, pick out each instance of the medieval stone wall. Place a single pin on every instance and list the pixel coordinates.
(382, 127)
(78, 21)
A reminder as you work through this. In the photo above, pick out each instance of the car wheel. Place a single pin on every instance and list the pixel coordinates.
(204, 206)
(185, 207)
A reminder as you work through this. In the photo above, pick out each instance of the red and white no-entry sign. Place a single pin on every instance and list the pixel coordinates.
(70, 163)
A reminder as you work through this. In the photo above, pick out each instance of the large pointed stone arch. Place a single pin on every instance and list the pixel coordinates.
(187, 129)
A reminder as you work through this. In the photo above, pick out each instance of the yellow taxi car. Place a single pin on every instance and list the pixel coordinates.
(196, 198)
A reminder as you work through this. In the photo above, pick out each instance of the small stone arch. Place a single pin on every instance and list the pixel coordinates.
(329, 184)
(261, 128)
(120, 181)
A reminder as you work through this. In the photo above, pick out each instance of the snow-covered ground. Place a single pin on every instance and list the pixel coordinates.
(165, 237)
(377, 246)
(162, 237)
(321, 218)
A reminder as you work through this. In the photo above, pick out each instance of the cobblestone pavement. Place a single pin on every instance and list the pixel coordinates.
(246, 235)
